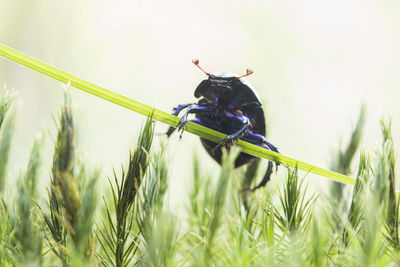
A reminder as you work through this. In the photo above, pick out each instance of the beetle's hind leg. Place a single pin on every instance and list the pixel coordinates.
(260, 140)
(266, 178)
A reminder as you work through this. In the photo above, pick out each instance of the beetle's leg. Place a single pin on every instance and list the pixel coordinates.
(177, 109)
(266, 177)
(260, 140)
(193, 108)
(232, 138)
(175, 112)
(195, 120)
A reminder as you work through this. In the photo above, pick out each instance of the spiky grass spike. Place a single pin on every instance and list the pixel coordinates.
(158, 228)
(357, 206)
(207, 207)
(72, 198)
(27, 225)
(116, 231)
(63, 193)
(6, 132)
(342, 163)
(9, 253)
(296, 209)
(393, 200)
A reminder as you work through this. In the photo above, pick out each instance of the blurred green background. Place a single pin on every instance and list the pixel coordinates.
(315, 62)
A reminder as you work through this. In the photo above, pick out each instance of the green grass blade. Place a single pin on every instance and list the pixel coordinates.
(159, 115)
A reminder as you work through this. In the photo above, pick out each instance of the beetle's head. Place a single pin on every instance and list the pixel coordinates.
(218, 88)
(222, 82)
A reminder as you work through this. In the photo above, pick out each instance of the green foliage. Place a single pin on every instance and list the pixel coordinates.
(207, 204)
(357, 206)
(158, 227)
(249, 177)
(118, 244)
(6, 131)
(27, 226)
(5, 105)
(72, 198)
(342, 163)
(9, 253)
(222, 224)
(387, 166)
(296, 209)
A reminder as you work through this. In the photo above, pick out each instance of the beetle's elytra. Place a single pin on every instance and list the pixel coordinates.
(228, 104)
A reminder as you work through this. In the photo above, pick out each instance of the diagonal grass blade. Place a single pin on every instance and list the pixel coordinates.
(159, 115)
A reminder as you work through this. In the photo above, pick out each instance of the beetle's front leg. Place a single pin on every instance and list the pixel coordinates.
(192, 108)
(176, 110)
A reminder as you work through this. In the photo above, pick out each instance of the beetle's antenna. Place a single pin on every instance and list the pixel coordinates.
(248, 72)
(196, 62)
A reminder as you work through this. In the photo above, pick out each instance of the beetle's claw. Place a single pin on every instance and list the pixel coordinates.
(228, 141)
(182, 126)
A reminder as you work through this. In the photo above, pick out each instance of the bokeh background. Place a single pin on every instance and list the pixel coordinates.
(315, 62)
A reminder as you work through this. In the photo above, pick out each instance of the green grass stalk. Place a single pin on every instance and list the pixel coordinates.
(357, 206)
(6, 133)
(393, 200)
(342, 162)
(27, 225)
(9, 250)
(297, 210)
(72, 198)
(158, 226)
(118, 248)
(159, 115)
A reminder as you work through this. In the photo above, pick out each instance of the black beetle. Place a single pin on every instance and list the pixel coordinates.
(228, 104)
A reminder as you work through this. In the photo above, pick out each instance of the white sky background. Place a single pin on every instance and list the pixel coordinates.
(314, 63)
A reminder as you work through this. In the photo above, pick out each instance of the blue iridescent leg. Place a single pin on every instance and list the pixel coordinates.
(178, 108)
(175, 112)
(260, 140)
(232, 138)
(191, 108)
